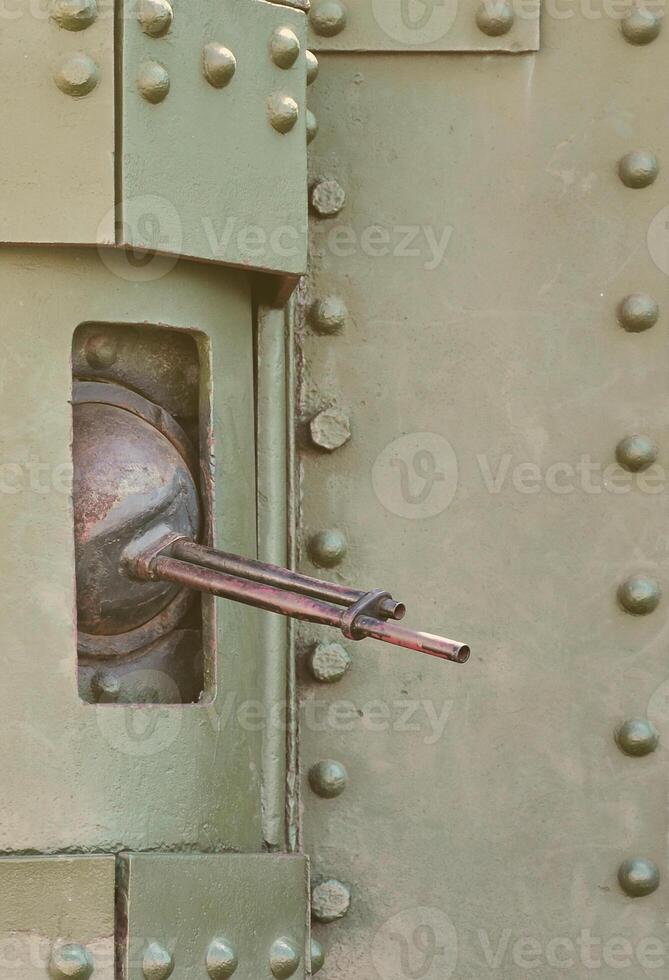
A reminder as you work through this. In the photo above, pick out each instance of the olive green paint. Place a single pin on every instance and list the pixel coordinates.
(494, 792)
(49, 902)
(272, 502)
(185, 902)
(374, 25)
(109, 777)
(204, 171)
(155, 133)
(57, 152)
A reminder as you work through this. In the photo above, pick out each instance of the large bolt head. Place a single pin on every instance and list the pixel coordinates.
(328, 314)
(77, 75)
(328, 18)
(330, 899)
(312, 67)
(330, 429)
(74, 15)
(638, 168)
(284, 47)
(221, 961)
(636, 453)
(327, 548)
(495, 18)
(312, 126)
(219, 64)
(328, 778)
(639, 595)
(317, 955)
(70, 962)
(638, 312)
(638, 877)
(153, 82)
(637, 737)
(157, 963)
(328, 662)
(282, 112)
(284, 958)
(640, 26)
(155, 17)
(327, 197)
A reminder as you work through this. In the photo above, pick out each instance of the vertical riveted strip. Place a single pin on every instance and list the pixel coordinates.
(293, 762)
(272, 547)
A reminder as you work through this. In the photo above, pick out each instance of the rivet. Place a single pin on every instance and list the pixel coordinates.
(74, 15)
(221, 961)
(636, 453)
(330, 429)
(330, 900)
(312, 67)
(639, 595)
(327, 548)
(638, 877)
(219, 64)
(282, 112)
(153, 82)
(312, 126)
(105, 687)
(284, 47)
(640, 26)
(328, 315)
(495, 17)
(157, 963)
(328, 778)
(77, 75)
(284, 958)
(328, 17)
(637, 737)
(101, 351)
(638, 168)
(327, 197)
(70, 962)
(317, 956)
(328, 662)
(155, 17)
(638, 312)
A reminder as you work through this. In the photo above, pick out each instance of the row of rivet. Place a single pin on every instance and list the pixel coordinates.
(78, 74)
(330, 429)
(329, 17)
(638, 594)
(639, 26)
(74, 962)
(638, 311)
(221, 960)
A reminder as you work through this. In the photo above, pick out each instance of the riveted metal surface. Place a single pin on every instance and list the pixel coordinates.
(205, 171)
(111, 776)
(484, 250)
(57, 152)
(187, 903)
(57, 917)
(449, 25)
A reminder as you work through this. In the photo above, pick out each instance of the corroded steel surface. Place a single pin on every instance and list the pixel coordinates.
(130, 476)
